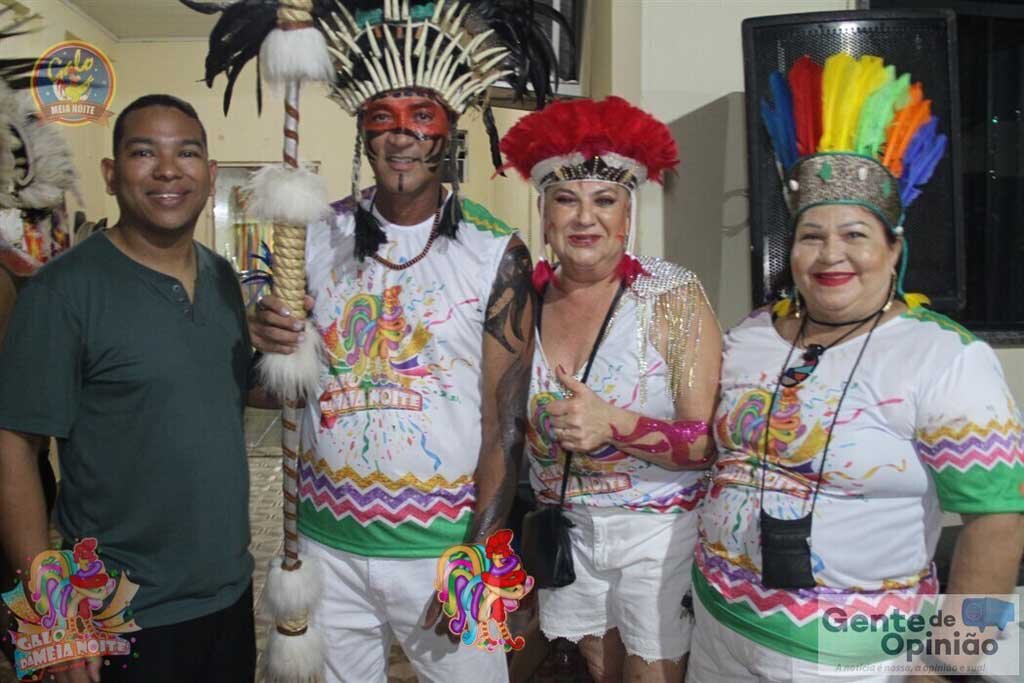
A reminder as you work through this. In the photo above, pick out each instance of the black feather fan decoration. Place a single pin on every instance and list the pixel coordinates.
(238, 35)
(16, 73)
(518, 24)
(236, 38)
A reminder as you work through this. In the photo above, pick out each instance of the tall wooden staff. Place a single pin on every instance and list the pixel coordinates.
(292, 197)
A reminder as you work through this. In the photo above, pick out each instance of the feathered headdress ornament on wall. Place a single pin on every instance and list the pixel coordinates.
(35, 162)
(853, 132)
(36, 166)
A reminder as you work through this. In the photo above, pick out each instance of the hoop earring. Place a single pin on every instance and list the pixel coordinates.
(892, 293)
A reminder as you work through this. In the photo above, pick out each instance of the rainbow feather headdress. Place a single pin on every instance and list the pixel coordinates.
(853, 133)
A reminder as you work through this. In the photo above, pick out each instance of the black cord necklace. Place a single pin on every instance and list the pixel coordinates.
(814, 351)
(861, 321)
(785, 543)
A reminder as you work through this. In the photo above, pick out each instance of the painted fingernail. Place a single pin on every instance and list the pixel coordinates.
(302, 338)
(297, 326)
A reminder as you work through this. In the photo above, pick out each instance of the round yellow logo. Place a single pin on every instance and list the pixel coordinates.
(73, 83)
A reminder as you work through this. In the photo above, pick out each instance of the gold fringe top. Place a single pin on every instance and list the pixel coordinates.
(669, 314)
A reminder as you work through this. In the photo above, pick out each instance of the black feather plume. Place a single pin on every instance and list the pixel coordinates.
(495, 137)
(520, 25)
(16, 73)
(238, 36)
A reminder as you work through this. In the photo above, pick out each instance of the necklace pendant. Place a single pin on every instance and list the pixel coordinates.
(813, 352)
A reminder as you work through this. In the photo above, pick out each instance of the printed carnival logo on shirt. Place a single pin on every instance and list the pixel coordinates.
(932, 634)
(73, 83)
(71, 609)
(376, 357)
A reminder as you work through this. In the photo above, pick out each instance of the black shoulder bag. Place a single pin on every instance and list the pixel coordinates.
(547, 551)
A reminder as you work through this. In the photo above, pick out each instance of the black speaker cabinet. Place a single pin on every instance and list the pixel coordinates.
(922, 43)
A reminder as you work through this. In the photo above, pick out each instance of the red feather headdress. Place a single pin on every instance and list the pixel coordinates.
(586, 140)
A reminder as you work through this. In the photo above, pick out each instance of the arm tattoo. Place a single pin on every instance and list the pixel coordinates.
(510, 297)
(509, 322)
(675, 438)
(513, 390)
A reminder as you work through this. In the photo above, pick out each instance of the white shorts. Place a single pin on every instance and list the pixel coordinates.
(368, 602)
(721, 655)
(632, 570)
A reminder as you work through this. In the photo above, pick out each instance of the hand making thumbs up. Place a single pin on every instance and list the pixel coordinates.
(582, 422)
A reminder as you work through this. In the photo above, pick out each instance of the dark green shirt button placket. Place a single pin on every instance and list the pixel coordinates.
(182, 298)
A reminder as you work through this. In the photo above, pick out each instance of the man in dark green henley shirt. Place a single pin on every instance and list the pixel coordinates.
(132, 351)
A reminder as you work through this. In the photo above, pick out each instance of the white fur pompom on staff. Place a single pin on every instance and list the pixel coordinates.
(292, 198)
(295, 652)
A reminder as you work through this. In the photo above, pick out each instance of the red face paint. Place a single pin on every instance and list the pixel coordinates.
(416, 116)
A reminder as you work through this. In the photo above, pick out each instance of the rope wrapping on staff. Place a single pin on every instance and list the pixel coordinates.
(290, 445)
(290, 282)
(290, 240)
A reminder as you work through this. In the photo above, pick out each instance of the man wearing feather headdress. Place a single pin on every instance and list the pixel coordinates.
(423, 302)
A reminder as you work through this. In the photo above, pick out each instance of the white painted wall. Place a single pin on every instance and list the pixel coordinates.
(692, 78)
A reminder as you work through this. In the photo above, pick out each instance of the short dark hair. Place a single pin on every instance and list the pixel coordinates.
(156, 100)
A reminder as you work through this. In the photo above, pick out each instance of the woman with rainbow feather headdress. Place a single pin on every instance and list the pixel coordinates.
(851, 416)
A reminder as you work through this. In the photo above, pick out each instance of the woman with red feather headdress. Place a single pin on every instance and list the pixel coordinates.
(625, 372)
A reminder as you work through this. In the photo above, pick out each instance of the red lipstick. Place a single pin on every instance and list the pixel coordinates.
(833, 279)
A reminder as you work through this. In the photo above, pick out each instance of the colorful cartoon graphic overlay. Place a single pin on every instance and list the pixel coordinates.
(73, 83)
(480, 584)
(71, 609)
